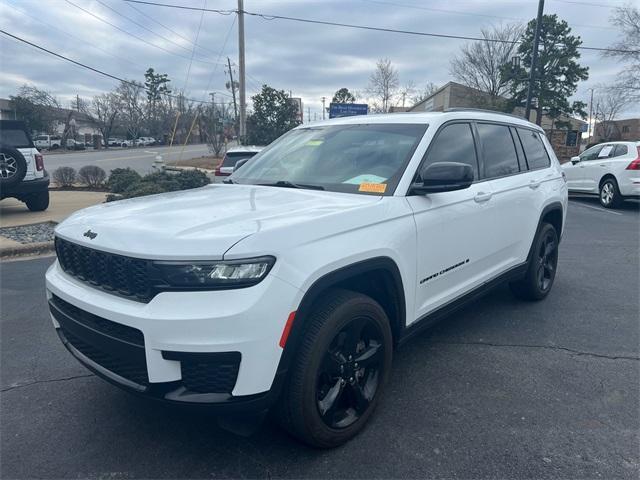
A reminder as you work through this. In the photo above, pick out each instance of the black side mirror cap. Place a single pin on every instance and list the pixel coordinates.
(444, 177)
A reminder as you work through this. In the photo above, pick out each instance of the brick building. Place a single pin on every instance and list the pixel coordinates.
(627, 129)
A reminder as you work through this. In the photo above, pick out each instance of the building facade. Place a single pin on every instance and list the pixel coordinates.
(625, 130)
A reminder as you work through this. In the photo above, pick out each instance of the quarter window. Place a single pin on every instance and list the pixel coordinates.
(620, 150)
(454, 143)
(534, 150)
(498, 151)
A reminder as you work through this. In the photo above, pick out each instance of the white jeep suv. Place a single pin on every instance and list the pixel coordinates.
(610, 170)
(290, 285)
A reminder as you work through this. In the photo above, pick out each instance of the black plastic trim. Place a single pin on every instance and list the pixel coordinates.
(321, 285)
(26, 187)
(447, 309)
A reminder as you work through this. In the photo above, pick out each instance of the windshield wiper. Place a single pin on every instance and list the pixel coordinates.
(288, 184)
(228, 180)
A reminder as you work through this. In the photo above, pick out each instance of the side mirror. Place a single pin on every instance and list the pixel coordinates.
(240, 163)
(575, 160)
(444, 177)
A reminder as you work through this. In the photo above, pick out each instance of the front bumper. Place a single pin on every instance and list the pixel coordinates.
(214, 347)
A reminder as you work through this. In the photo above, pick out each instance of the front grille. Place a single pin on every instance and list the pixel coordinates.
(126, 276)
(133, 370)
(102, 325)
(210, 376)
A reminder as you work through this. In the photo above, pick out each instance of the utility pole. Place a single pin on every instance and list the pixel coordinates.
(241, 73)
(590, 112)
(534, 60)
(324, 99)
(233, 94)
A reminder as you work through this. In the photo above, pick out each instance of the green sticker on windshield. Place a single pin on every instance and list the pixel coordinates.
(367, 178)
(314, 143)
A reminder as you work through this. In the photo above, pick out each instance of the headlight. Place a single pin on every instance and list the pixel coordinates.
(213, 275)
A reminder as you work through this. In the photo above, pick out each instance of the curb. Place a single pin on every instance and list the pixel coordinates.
(26, 249)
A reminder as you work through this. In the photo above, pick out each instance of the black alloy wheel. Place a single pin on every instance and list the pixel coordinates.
(349, 374)
(547, 260)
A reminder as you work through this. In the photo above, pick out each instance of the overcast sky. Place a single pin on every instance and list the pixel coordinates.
(310, 60)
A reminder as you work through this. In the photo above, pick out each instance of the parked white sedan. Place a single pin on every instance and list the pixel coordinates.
(611, 170)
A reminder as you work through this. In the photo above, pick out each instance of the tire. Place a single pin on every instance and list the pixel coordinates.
(542, 268)
(324, 377)
(13, 166)
(610, 194)
(38, 202)
(55, 146)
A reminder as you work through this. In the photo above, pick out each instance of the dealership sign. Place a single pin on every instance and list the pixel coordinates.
(347, 109)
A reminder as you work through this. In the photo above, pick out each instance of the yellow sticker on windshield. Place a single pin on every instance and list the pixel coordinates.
(314, 143)
(372, 187)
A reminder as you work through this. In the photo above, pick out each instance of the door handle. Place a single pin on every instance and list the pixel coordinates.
(482, 197)
(602, 165)
(533, 184)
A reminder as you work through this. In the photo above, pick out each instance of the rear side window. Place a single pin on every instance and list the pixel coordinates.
(620, 150)
(454, 143)
(230, 159)
(14, 138)
(498, 151)
(534, 150)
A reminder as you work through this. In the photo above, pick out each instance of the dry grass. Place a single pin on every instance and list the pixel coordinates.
(208, 162)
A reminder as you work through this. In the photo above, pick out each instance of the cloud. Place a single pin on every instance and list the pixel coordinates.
(310, 60)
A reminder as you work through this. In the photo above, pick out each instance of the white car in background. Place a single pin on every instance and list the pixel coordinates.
(233, 156)
(611, 170)
(145, 141)
(50, 142)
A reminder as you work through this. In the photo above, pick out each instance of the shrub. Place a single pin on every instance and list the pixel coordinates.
(192, 179)
(92, 175)
(64, 176)
(122, 178)
(142, 188)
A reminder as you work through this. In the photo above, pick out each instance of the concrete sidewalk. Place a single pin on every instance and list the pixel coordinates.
(14, 213)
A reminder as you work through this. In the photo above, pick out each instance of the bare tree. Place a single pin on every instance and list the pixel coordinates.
(607, 107)
(383, 85)
(38, 108)
(104, 110)
(481, 64)
(627, 19)
(425, 92)
(130, 100)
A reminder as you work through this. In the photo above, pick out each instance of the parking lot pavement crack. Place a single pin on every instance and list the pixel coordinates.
(545, 347)
(37, 382)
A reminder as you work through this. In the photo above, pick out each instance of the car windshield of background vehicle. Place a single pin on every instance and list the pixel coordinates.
(230, 159)
(367, 159)
(14, 138)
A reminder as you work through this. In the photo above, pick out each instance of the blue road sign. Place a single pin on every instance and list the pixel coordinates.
(347, 109)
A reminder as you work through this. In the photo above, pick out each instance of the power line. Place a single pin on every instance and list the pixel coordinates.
(130, 5)
(367, 27)
(587, 4)
(193, 51)
(131, 34)
(101, 72)
(471, 14)
(143, 26)
(183, 7)
(118, 57)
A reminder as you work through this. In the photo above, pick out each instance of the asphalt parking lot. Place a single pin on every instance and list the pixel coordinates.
(503, 389)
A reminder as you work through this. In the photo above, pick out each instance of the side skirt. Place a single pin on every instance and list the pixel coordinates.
(431, 318)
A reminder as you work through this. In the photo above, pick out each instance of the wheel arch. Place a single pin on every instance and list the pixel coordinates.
(377, 277)
(553, 214)
(606, 177)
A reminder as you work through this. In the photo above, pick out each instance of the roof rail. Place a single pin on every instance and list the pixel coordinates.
(483, 110)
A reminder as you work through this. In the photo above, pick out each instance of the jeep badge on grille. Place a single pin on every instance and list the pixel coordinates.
(90, 234)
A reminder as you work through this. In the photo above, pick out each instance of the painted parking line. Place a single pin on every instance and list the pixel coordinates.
(595, 208)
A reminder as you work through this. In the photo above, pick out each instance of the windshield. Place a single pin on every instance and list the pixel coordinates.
(231, 158)
(367, 159)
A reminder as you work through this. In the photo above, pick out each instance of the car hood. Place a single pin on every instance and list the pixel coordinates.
(201, 223)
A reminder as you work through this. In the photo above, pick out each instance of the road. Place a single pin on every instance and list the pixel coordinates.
(503, 389)
(139, 159)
